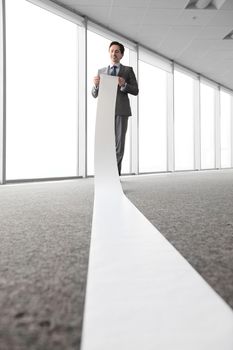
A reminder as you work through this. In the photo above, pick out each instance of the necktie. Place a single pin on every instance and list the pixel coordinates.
(113, 72)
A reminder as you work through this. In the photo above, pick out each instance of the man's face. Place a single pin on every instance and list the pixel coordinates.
(115, 54)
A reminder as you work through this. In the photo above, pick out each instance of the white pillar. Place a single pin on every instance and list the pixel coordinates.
(82, 100)
(170, 121)
(2, 94)
(134, 165)
(197, 128)
(217, 129)
(231, 130)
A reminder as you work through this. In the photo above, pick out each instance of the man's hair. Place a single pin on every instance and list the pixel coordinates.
(122, 49)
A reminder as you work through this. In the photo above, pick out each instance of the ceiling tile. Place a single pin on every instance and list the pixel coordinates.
(77, 3)
(129, 15)
(168, 4)
(184, 32)
(130, 3)
(98, 13)
(214, 32)
(196, 17)
(130, 29)
(153, 29)
(172, 48)
(219, 54)
(149, 40)
(222, 18)
(196, 50)
(220, 45)
(168, 17)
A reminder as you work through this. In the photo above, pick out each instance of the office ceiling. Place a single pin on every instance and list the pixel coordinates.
(190, 37)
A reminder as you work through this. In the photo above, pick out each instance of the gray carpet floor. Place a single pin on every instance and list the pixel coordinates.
(194, 211)
(45, 236)
(45, 233)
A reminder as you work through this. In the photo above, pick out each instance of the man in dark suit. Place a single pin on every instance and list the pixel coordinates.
(127, 84)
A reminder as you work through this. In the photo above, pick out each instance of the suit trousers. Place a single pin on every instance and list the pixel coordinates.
(121, 124)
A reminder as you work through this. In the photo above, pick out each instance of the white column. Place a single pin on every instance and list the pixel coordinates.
(231, 130)
(197, 128)
(217, 129)
(82, 101)
(2, 94)
(134, 165)
(170, 121)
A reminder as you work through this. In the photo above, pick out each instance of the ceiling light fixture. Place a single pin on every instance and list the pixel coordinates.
(204, 4)
(229, 36)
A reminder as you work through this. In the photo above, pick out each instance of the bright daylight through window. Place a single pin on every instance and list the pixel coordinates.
(41, 93)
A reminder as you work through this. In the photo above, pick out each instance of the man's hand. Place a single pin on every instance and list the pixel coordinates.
(96, 80)
(121, 81)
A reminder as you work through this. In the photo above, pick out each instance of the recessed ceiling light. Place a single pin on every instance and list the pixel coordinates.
(204, 4)
(229, 36)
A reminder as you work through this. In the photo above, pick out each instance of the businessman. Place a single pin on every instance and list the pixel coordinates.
(127, 84)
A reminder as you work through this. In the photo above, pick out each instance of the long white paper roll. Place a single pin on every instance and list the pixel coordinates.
(106, 173)
(141, 293)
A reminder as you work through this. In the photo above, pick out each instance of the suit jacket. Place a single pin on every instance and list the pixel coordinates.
(122, 99)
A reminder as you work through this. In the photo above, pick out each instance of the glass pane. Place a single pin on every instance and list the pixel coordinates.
(41, 93)
(98, 57)
(152, 118)
(207, 127)
(225, 103)
(183, 124)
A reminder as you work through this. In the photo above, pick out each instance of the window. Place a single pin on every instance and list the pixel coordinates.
(225, 105)
(152, 118)
(183, 121)
(41, 93)
(207, 126)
